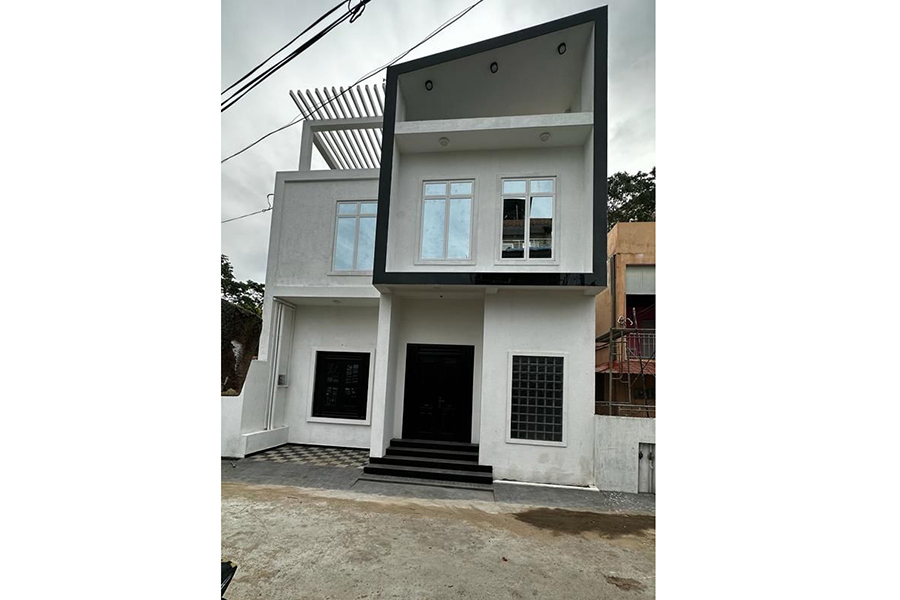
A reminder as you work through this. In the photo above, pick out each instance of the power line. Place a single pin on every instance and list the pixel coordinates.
(253, 213)
(271, 56)
(352, 14)
(297, 119)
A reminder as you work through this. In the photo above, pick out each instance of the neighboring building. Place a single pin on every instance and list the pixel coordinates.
(626, 361)
(432, 294)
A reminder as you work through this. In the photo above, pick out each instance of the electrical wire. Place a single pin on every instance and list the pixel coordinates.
(253, 213)
(352, 14)
(271, 56)
(302, 115)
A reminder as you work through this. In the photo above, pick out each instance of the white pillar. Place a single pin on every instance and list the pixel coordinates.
(383, 393)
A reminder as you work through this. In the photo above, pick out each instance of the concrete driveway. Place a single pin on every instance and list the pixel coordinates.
(293, 542)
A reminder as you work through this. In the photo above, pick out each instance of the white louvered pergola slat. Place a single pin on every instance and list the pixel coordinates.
(346, 145)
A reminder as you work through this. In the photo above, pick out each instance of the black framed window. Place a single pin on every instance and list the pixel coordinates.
(342, 385)
(537, 398)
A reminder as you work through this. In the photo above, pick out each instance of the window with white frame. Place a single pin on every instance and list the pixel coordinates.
(536, 405)
(354, 236)
(446, 232)
(528, 209)
(341, 387)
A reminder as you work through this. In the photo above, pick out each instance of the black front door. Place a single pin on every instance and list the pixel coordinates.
(437, 401)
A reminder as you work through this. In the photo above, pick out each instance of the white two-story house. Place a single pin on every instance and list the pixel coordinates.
(431, 295)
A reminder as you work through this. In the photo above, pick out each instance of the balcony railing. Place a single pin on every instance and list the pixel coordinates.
(633, 344)
(627, 358)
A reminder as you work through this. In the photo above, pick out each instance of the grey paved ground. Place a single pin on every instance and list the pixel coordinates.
(334, 478)
(301, 542)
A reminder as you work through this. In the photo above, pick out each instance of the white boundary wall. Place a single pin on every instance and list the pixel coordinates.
(616, 445)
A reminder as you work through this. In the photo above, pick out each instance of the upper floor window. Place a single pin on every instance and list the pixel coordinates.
(528, 209)
(354, 236)
(447, 220)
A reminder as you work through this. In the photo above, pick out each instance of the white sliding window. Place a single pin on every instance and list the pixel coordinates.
(446, 232)
(354, 236)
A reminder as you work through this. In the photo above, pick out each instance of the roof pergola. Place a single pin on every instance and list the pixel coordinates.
(345, 126)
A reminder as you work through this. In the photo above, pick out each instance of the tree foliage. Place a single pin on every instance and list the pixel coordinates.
(245, 294)
(631, 197)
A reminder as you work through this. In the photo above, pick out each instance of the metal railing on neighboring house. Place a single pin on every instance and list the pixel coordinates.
(628, 359)
(633, 344)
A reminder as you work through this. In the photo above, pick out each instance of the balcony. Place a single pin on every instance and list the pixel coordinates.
(626, 373)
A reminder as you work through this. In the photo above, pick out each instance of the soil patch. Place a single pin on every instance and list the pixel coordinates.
(573, 522)
(624, 583)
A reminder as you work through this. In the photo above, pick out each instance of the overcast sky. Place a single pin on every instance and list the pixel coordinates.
(251, 30)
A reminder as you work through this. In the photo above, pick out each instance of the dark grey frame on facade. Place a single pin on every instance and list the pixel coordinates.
(598, 276)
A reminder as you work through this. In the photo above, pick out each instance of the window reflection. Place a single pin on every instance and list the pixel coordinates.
(513, 228)
(527, 229)
(433, 229)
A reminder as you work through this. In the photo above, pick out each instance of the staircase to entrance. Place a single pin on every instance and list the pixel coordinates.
(430, 462)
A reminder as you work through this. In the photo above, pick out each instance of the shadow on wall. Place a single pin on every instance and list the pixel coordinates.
(240, 344)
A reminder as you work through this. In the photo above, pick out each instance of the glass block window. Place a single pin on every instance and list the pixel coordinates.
(342, 385)
(537, 398)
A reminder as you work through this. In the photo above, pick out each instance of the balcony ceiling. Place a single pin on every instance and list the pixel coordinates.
(532, 79)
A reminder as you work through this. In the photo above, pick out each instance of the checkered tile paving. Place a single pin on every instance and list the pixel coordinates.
(321, 456)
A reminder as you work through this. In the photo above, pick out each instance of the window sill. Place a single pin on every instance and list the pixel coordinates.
(538, 262)
(449, 263)
(336, 421)
(350, 273)
(510, 440)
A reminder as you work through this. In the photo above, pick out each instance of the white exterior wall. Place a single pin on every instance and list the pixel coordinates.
(437, 321)
(617, 441)
(327, 328)
(573, 227)
(301, 240)
(539, 322)
(232, 445)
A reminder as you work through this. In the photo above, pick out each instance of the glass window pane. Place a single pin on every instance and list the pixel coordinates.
(365, 250)
(514, 187)
(433, 229)
(463, 188)
(343, 245)
(368, 208)
(540, 228)
(542, 186)
(346, 208)
(435, 189)
(513, 242)
(460, 228)
(541, 207)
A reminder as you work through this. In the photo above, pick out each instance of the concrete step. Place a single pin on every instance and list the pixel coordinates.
(432, 453)
(429, 473)
(436, 463)
(462, 485)
(434, 444)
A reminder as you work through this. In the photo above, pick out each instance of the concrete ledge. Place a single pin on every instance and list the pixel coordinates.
(263, 440)
(494, 133)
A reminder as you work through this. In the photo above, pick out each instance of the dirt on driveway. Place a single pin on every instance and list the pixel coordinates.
(295, 543)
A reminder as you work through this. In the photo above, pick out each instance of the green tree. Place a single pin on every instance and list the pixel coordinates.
(631, 197)
(245, 294)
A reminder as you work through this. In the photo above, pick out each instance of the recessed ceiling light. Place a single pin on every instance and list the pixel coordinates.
(545, 136)
(429, 85)
(444, 141)
(561, 48)
(494, 67)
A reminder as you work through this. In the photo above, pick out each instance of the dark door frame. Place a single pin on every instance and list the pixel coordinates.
(458, 427)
